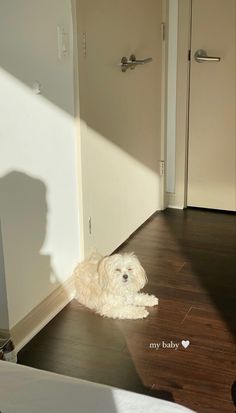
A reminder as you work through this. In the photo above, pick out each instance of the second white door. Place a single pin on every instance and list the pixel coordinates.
(212, 109)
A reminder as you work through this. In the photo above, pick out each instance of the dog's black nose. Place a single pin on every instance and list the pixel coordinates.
(125, 276)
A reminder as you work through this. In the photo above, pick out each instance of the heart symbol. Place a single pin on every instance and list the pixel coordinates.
(185, 343)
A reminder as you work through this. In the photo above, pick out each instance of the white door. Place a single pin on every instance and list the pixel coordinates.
(120, 117)
(212, 109)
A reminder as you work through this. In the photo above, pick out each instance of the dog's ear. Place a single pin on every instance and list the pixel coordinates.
(102, 272)
(143, 274)
(140, 270)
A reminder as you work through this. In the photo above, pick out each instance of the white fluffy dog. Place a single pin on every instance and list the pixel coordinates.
(110, 286)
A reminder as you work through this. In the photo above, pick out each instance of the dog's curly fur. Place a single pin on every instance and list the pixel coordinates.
(110, 286)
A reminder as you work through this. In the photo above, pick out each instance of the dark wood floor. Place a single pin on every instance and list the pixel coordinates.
(190, 258)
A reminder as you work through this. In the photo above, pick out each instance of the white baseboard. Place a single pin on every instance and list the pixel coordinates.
(30, 325)
(175, 207)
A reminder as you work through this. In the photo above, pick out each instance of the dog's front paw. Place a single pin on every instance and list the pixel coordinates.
(151, 301)
(140, 312)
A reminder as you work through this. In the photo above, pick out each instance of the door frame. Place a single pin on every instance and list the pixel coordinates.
(178, 199)
(78, 132)
(80, 127)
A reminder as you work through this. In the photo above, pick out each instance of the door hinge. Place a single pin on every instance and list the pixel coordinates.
(189, 55)
(163, 31)
(84, 44)
(90, 225)
(162, 168)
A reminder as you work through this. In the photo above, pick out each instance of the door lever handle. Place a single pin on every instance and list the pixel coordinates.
(132, 62)
(201, 56)
(135, 61)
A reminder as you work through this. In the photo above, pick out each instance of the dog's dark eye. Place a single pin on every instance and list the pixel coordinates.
(118, 270)
(129, 269)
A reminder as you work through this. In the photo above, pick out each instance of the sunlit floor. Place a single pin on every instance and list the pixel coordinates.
(190, 259)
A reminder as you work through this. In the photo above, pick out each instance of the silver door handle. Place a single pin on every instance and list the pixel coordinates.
(139, 62)
(202, 56)
(132, 62)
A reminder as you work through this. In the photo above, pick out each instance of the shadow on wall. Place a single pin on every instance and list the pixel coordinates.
(23, 212)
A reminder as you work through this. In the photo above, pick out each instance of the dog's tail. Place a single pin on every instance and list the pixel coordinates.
(95, 256)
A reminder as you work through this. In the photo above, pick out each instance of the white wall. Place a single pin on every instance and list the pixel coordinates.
(38, 188)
